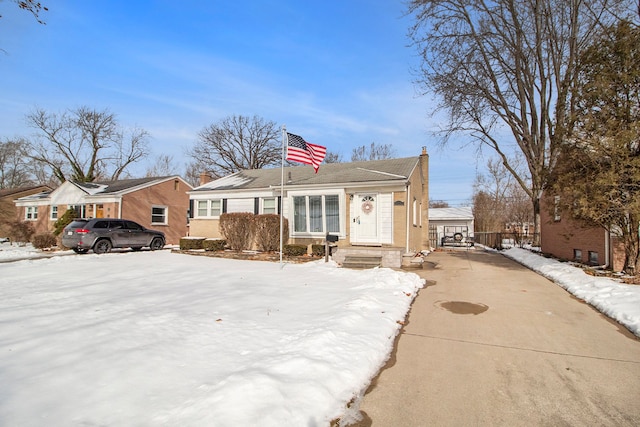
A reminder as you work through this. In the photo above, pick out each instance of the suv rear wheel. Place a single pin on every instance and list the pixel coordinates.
(102, 246)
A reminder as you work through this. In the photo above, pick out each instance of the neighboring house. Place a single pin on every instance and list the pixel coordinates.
(8, 209)
(160, 203)
(451, 225)
(373, 204)
(567, 239)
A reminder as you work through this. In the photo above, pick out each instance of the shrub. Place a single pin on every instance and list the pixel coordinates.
(44, 240)
(294, 250)
(21, 231)
(238, 229)
(214, 245)
(189, 243)
(267, 232)
(66, 219)
(317, 250)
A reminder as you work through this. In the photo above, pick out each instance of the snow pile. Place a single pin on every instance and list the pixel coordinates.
(617, 300)
(156, 338)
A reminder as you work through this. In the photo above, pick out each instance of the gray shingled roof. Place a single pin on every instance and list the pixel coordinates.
(389, 170)
(110, 187)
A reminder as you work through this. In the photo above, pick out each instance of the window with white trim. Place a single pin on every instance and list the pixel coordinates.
(31, 213)
(159, 215)
(269, 205)
(316, 214)
(208, 208)
(54, 212)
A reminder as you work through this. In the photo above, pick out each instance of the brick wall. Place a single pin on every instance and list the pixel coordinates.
(136, 206)
(562, 238)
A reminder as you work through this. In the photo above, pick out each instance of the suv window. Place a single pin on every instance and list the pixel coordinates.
(114, 225)
(101, 224)
(130, 225)
(77, 224)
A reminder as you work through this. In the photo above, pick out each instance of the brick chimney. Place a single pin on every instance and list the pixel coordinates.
(205, 178)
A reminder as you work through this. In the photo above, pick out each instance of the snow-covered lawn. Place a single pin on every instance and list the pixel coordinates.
(158, 338)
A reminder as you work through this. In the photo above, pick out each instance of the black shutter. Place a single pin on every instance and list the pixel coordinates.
(190, 213)
(279, 205)
(224, 205)
(256, 205)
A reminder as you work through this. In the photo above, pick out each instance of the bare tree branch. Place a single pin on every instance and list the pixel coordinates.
(235, 143)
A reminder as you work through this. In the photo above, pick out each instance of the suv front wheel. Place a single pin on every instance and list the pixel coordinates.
(156, 244)
(102, 246)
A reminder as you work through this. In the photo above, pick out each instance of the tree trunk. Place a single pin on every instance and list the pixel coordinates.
(631, 239)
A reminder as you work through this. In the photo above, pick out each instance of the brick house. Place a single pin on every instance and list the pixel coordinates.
(372, 206)
(8, 209)
(567, 239)
(160, 203)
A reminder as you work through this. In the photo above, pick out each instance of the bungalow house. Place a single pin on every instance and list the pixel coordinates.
(160, 203)
(567, 239)
(451, 225)
(8, 209)
(377, 206)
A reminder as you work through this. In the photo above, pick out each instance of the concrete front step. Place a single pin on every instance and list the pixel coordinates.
(362, 261)
(391, 256)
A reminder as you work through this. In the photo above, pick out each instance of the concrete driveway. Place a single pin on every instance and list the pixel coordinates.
(493, 343)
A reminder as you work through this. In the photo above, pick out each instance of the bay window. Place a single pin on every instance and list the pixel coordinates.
(316, 214)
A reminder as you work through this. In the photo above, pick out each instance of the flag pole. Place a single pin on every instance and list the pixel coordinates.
(284, 138)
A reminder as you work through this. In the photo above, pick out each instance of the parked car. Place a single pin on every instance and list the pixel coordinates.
(102, 234)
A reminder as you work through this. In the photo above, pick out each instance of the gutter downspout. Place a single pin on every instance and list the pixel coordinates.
(607, 249)
(408, 209)
(120, 208)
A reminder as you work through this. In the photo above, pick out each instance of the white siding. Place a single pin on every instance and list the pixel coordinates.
(240, 205)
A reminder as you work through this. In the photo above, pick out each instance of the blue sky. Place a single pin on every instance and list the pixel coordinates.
(336, 72)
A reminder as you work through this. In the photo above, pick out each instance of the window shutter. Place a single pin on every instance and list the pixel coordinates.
(279, 205)
(224, 205)
(190, 213)
(256, 205)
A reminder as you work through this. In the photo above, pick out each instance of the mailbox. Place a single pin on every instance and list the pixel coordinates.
(332, 238)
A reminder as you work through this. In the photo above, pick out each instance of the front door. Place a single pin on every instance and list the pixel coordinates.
(365, 218)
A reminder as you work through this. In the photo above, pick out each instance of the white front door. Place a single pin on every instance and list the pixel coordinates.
(365, 218)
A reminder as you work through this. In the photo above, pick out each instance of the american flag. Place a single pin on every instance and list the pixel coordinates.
(299, 150)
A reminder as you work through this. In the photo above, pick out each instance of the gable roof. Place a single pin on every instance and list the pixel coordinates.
(11, 191)
(383, 171)
(120, 186)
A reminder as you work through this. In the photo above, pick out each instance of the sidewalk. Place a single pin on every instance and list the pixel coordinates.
(493, 343)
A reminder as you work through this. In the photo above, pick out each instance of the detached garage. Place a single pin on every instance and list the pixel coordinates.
(451, 226)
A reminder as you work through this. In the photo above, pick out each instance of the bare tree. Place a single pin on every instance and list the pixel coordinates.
(507, 64)
(85, 144)
(235, 143)
(14, 169)
(499, 199)
(34, 7)
(333, 157)
(163, 166)
(372, 152)
(438, 204)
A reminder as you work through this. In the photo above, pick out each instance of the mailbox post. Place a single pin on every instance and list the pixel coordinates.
(330, 238)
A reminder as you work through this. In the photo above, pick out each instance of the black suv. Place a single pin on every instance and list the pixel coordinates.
(102, 234)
